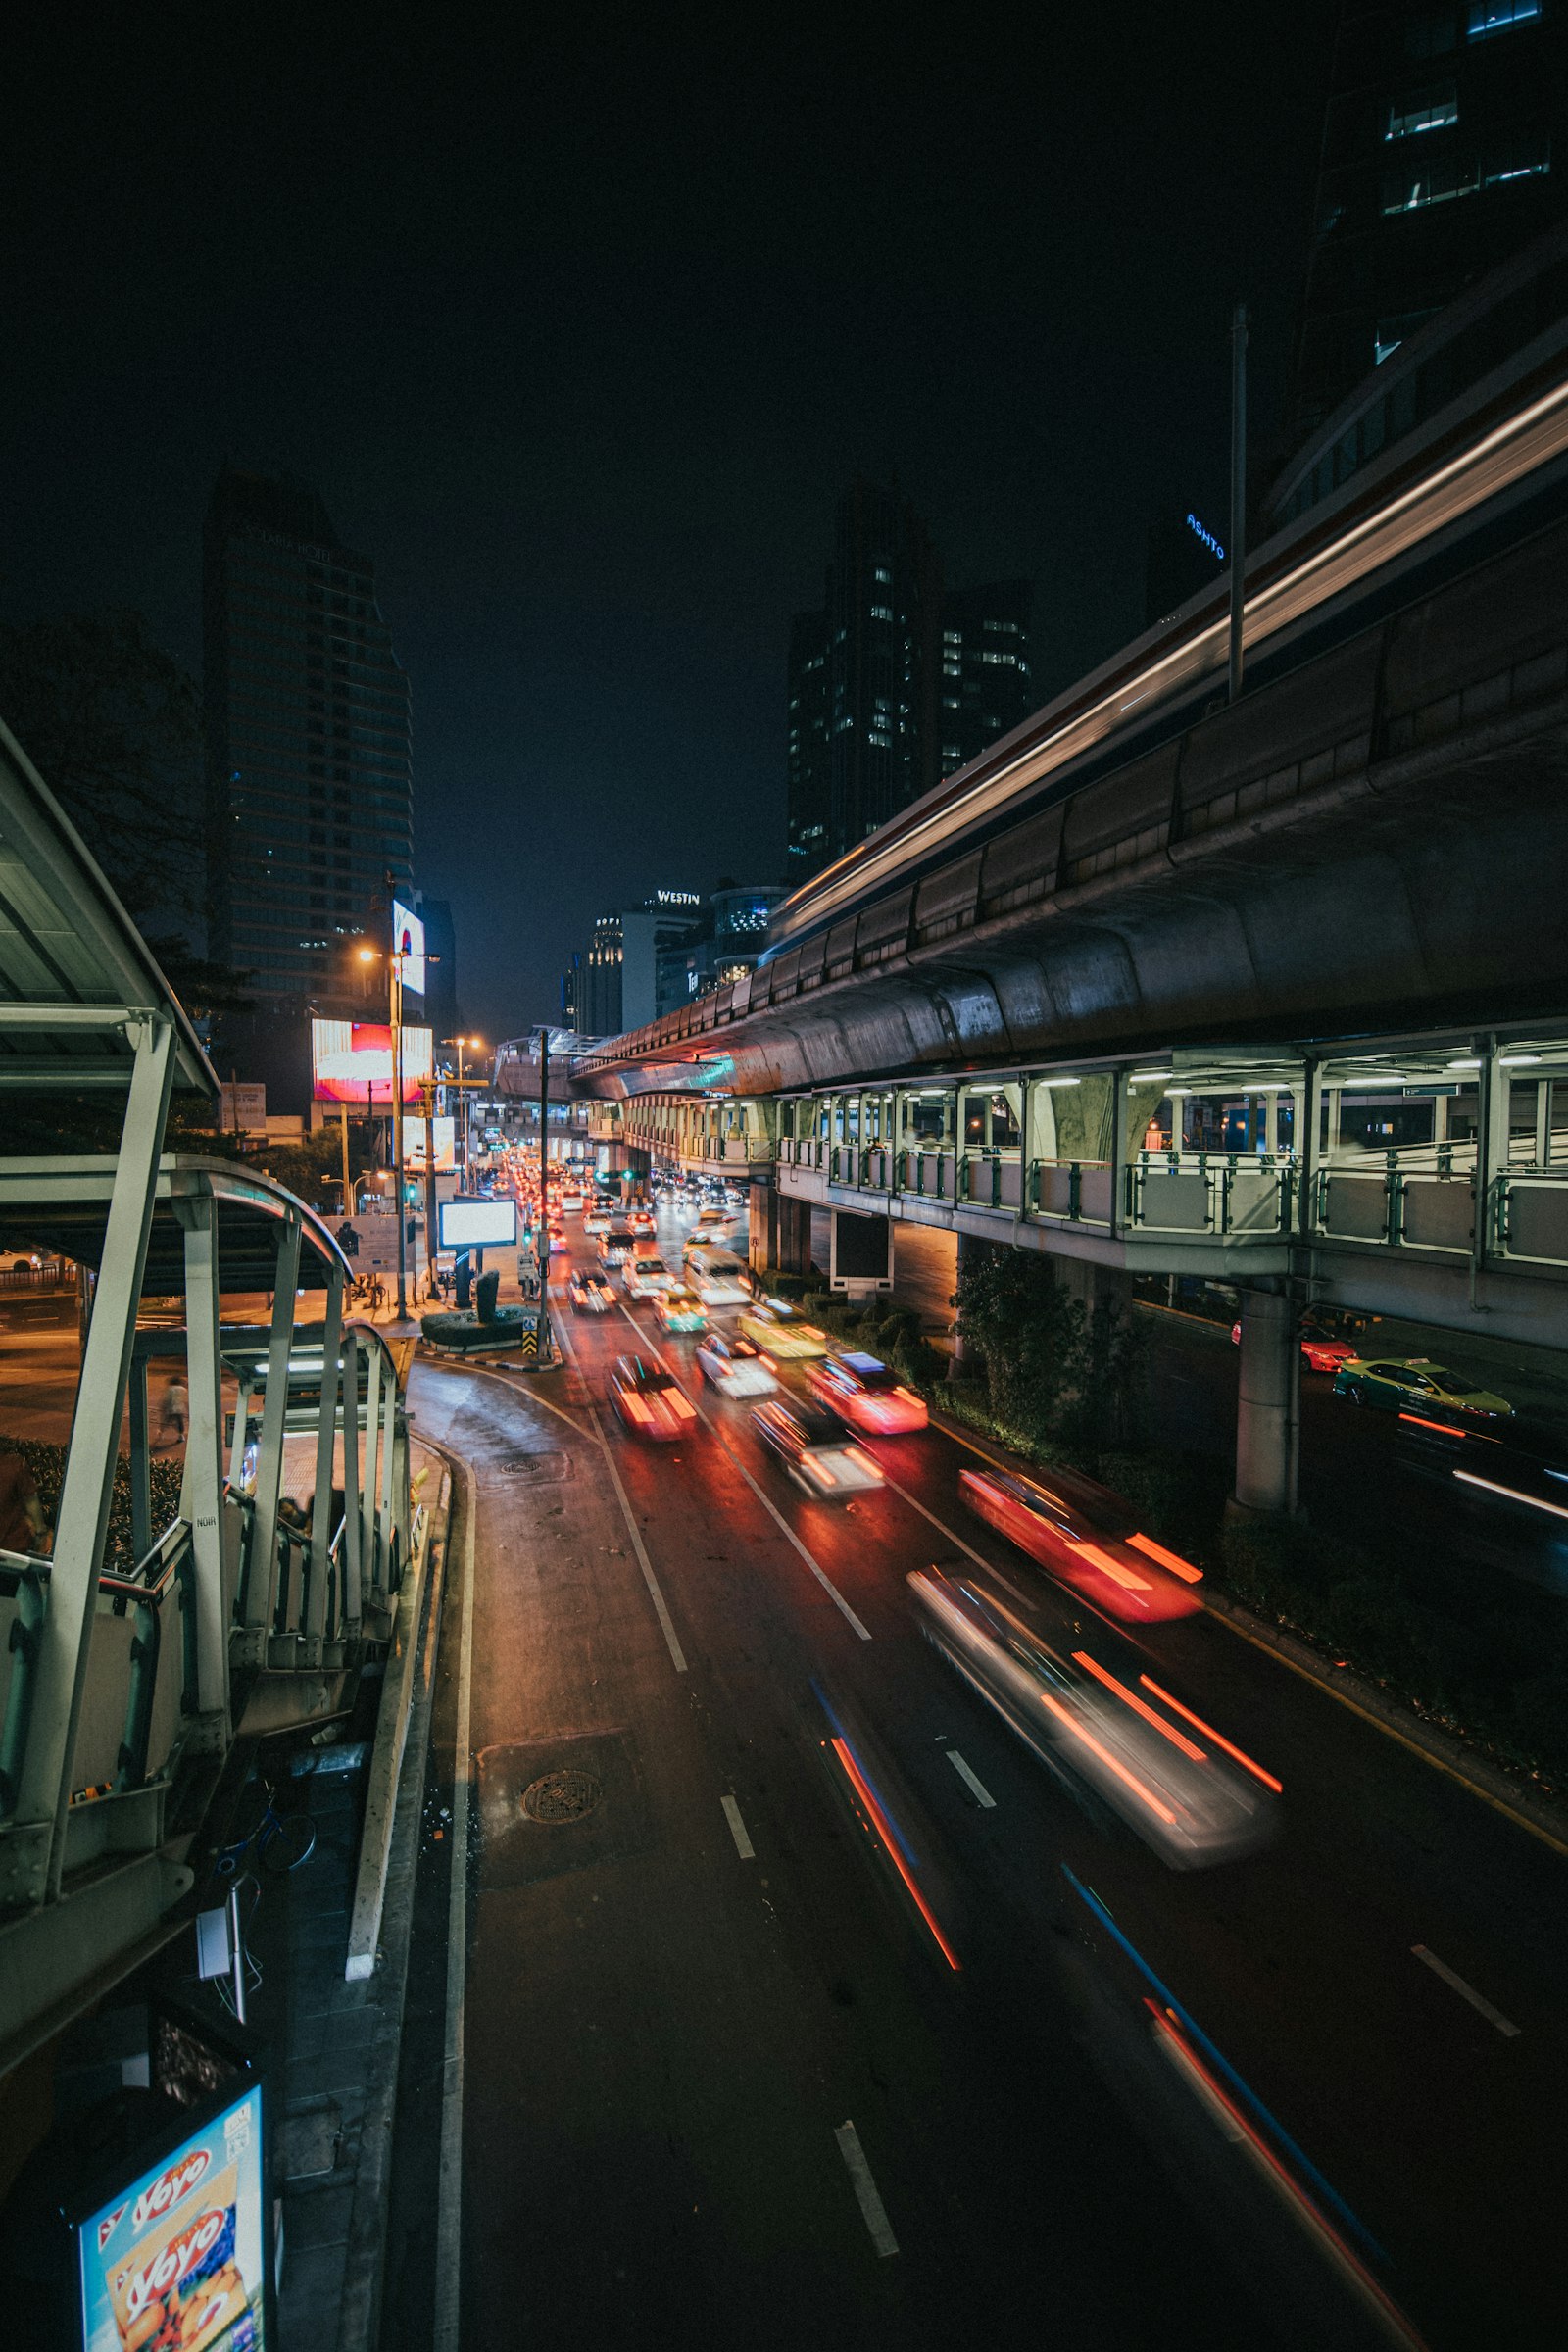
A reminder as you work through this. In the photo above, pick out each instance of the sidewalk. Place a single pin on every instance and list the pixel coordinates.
(336, 2043)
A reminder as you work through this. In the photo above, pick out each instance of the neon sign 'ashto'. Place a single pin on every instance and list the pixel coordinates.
(1207, 537)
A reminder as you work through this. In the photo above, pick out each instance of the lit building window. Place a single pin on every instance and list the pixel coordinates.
(881, 611)
(1412, 191)
(1487, 17)
(1429, 110)
(1516, 163)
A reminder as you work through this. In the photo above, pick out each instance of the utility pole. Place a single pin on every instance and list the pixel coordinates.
(1237, 493)
(348, 1196)
(429, 1091)
(397, 1120)
(543, 1238)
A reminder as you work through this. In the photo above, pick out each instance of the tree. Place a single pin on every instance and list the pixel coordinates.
(112, 724)
(1054, 1369)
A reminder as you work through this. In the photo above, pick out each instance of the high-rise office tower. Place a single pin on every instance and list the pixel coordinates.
(627, 959)
(893, 685)
(310, 796)
(985, 684)
(1444, 149)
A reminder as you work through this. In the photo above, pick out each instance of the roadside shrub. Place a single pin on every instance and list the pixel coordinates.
(47, 1462)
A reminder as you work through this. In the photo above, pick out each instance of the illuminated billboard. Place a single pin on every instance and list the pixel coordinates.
(444, 1137)
(351, 1062)
(477, 1224)
(408, 942)
(178, 2253)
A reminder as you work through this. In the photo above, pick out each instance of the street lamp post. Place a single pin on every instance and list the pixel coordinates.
(463, 1101)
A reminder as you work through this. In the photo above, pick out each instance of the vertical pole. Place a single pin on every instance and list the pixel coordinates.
(543, 1213)
(462, 1119)
(1238, 492)
(141, 1468)
(83, 1521)
(351, 1557)
(429, 1187)
(316, 1628)
(260, 1595)
(348, 1192)
(200, 1495)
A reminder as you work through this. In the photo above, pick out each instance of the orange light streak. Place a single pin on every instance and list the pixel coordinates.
(1218, 1737)
(1167, 1559)
(880, 1823)
(1095, 1558)
(1177, 1738)
(1110, 1761)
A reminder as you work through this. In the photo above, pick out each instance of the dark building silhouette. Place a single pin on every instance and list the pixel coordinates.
(310, 797)
(1444, 144)
(441, 1007)
(1182, 556)
(893, 685)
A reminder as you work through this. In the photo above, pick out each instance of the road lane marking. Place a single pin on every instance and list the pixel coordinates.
(446, 2335)
(1466, 1993)
(872, 2210)
(677, 1654)
(976, 1787)
(1079, 1601)
(776, 1516)
(737, 1830)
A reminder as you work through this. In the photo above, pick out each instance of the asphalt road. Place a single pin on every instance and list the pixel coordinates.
(675, 2006)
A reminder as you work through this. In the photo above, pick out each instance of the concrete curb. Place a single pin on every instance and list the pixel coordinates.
(386, 1757)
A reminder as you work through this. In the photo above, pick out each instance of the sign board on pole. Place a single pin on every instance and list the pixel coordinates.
(408, 942)
(862, 1253)
(446, 1148)
(351, 1062)
(242, 1110)
(478, 1224)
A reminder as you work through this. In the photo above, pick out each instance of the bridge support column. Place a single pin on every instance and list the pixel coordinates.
(1268, 1407)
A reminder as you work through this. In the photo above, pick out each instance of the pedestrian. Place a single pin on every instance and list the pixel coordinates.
(175, 1416)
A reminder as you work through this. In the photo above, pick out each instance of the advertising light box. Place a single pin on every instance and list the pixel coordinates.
(177, 2254)
(478, 1224)
(407, 943)
(351, 1062)
(444, 1137)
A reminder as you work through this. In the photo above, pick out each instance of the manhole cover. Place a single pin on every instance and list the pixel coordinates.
(539, 1469)
(557, 1796)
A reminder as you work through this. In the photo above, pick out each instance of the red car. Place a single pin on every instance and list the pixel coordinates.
(1319, 1352)
(650, 1401)
(1086, 1536)
(866, 1392)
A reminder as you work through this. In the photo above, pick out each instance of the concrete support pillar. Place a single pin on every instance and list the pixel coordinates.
(791, 1237)
(1268, 1407)
(762, 1227)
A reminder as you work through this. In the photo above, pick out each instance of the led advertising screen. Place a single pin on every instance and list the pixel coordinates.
(408, 941)
(351, 1062)
(179, 2254)
(477, 1224)
(444, 1137)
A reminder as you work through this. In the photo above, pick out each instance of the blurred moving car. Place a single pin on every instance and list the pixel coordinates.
(1088, 1537)
(589, 1293)
(735, 1367)
(1187, 1792)
(866, 1392)
(778, 1331)
(596, 1221)
(1409, 1383)
(617, 1244)
(816, 1451)
(718, 1279)
(1320, 1350)
(648, 1400)
(647, 1274)
(640, 1220)
(571, 1199)
(680, 1310)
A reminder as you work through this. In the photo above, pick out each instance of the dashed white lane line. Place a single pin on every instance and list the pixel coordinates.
(872, 2210)
(776, 1516)
(676, 1653)
(976, 1787)
(737, 1830)
(1466, 1993)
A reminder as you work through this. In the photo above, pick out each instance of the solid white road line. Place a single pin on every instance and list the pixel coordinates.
(968, 1551)
(737, 1830)
(677, 1654)
(777, 1516)
(449, 2195)
(1466, 1993)
(981, 1794)
(873, 2209)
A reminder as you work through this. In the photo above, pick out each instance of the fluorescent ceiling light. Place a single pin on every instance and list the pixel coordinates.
(1146, 1077)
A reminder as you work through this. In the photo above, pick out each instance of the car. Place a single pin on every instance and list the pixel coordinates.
(778, 1331)
(1321, 1351)
(680, 1310)
(718, 1279)
(1407, 1383)
(650, 1400)
(823, 1460)
(647, 1275)
(617, 1245)
(1194, 1804)
(641, 1221)
(866, 1392)
(596, 1221)
(572, 1201)
(558, 1240)
(589, 1293)
(1087, 1536)
(735, 1367)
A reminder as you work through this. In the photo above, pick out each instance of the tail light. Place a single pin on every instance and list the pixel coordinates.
(819, 1469)
(1167, 1559)
(908, 1395)
(682, 1404)
(636, 1406)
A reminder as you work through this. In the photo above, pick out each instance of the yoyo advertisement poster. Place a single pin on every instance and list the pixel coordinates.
(176, 2259)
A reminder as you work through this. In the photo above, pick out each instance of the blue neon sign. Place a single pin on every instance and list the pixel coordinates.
(1201, 531)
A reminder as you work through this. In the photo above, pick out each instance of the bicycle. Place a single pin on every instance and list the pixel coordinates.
(282, 1842)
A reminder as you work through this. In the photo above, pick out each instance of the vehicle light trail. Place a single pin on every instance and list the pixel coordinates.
(880, 1823)
(1534, 1502)
(1167, 1559)
(1218, 1737)
(1177, 1738)
(1111, 1762)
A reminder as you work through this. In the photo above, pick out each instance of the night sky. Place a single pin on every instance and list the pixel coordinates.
(580, 334)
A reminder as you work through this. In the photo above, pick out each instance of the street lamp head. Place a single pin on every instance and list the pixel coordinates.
(367, 954)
